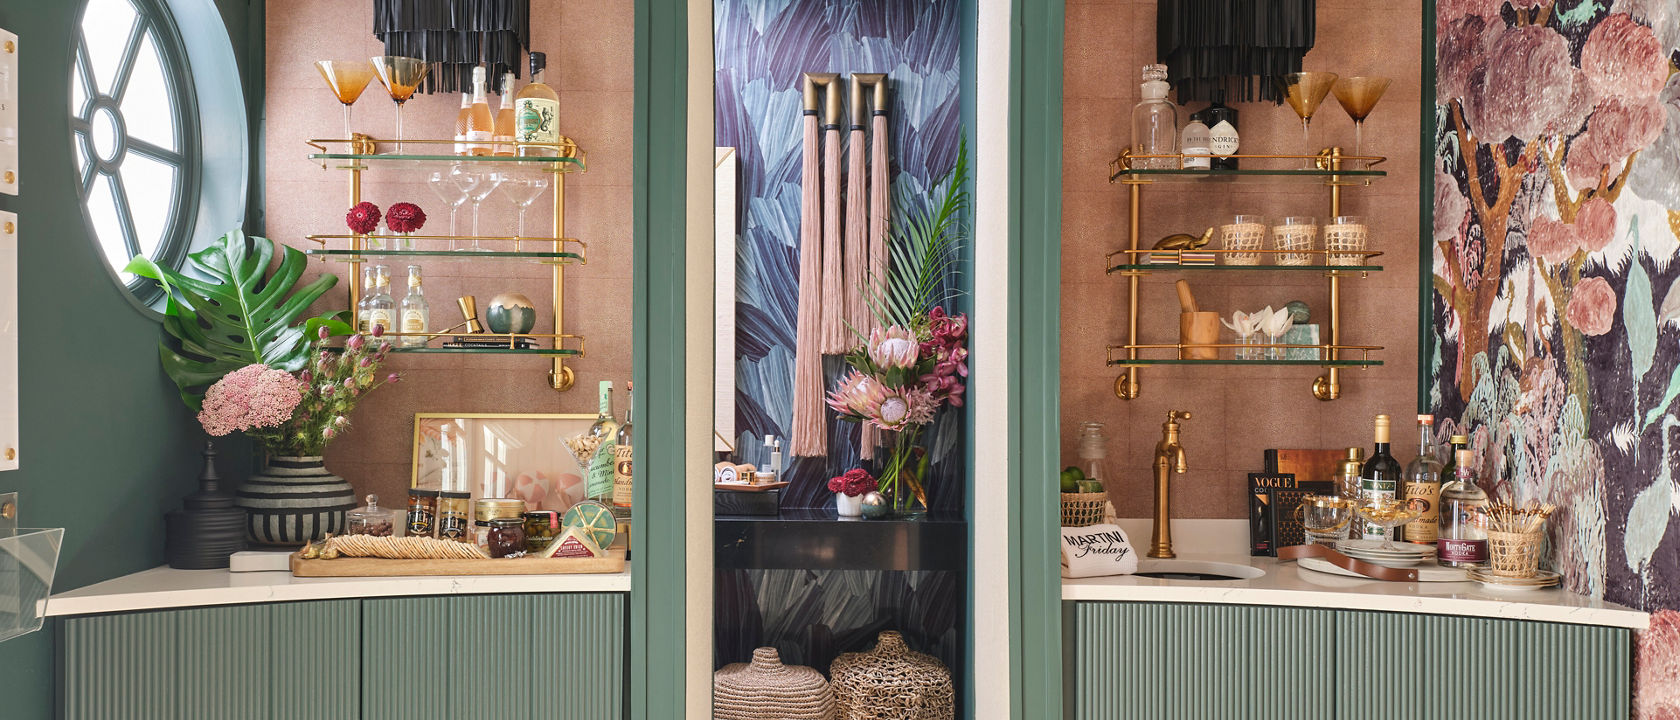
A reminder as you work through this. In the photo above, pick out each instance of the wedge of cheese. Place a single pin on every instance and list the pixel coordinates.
(575, 542)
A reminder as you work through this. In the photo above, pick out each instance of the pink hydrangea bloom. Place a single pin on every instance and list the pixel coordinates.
(252, 397)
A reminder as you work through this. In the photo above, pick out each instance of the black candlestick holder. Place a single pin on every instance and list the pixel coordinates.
(210, 528)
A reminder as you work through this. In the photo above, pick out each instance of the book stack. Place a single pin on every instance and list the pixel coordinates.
(468, 341)
(1197, 259)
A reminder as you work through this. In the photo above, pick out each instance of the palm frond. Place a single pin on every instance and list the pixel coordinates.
(923, 249)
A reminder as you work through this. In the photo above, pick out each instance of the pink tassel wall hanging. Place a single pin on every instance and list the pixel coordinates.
(833, 341)
(808, 434)
(857, 212)
(880, 193)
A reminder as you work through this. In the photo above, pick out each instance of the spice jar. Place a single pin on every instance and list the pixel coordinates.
(452, 522)
(506, 536)
(370, 520)
(488, 509)
(541, 527)
(422, 512)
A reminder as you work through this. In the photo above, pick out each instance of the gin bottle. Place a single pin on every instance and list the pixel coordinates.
(1155, 123)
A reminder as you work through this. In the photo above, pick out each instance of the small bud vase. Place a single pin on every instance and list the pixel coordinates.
(848, 505)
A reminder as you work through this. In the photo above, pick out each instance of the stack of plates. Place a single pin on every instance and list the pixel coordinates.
(1543, 579)
(1404, 554)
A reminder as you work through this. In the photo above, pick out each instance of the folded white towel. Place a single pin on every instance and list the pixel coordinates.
(1096, 550)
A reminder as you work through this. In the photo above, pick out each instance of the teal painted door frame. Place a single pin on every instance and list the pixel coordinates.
(1035, 230)
(655, 676)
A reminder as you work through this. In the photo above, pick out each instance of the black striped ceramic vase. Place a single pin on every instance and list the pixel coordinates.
(294, 500)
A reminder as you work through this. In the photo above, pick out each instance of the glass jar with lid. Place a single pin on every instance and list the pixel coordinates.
(541, 527)
(371, 519)
(486, 510)
(505, 537)
(453, 522)
(422, 512)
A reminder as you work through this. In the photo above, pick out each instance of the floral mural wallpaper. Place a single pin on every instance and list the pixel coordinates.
(1556, 300)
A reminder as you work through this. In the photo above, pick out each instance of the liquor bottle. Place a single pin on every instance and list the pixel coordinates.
(481, 125)
(382, 308)
(416, 313)
(536, 113)
(623, 452)
(461, 124)
(1155, 123)
(1423, 482)
(1379, 480)
(364, 305)
(1458, 442)
(504, 118)
(1196, 143)
(1463, 524)
(599, 484)
(1222, 133)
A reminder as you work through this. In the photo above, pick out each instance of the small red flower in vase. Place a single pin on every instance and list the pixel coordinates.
(405, 218)
(363, 219)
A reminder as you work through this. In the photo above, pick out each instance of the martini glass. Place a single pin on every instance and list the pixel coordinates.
(486, 184)
(1304, 91)
(523, 190)
(401, 76)
(347, 79)
(1358, 96)
(448, 190)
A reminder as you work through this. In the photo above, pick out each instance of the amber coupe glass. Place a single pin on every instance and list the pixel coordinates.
(347, 79)
(401, 77)
(1304, 91)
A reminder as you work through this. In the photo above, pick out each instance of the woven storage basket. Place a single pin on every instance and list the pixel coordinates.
(765, 689)
(1515, 555)
(891, 682)
(1081, 509)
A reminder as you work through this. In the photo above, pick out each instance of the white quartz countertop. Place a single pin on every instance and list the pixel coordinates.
(1284, 584)
(165, 587)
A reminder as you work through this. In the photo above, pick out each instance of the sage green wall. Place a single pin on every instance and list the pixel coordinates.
(106, 446)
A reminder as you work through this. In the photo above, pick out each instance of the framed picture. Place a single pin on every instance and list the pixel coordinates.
(501, 455)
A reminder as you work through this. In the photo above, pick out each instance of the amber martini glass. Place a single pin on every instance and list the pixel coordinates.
(1304, 91)
(347, 79)
(1358, 96)
(401, 76)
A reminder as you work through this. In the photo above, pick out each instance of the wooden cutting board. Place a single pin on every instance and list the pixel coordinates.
(381, 567)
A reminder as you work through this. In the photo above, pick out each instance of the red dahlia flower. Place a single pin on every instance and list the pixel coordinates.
(405, 218)
(363, 219)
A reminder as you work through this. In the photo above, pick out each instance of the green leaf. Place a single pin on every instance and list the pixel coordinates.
(237, 314)
(1639, 316)
(923, 250)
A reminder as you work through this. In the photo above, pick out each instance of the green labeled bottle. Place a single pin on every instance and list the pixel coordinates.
(599, 484)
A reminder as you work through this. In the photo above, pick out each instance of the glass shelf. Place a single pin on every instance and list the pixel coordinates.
(352, 161)
(1345, 269)
(1317, 177)
(1224, 361)
(356, 256)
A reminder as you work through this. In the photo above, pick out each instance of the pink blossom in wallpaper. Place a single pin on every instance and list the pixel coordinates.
(1592, 308)
(1657, 663)
(1552, 241)
(1618, 127)
(1622, 58)
(1595, 224)
(1526, 86)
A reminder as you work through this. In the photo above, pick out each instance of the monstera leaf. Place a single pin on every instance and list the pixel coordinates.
(237, 316)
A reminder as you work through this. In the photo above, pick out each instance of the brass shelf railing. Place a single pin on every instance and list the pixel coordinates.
(1329, 170)
(362, 154)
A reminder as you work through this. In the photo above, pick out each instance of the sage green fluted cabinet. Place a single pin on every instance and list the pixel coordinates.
(346, 659)
(1166, 661)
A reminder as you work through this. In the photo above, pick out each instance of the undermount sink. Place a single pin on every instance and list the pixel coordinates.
(1195, 570)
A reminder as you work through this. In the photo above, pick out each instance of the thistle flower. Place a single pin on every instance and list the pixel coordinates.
(328, 433)
(322, 333)
(895, 348)
(378, 330)
(355, 343)
(393, 377)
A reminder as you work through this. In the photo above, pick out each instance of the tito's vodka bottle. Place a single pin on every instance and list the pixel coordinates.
(623, 455)
(1463, 525)
(1379, 480)
(536, 112)
(1423, 482)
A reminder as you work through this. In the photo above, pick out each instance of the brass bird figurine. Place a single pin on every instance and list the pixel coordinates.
(1185, 241)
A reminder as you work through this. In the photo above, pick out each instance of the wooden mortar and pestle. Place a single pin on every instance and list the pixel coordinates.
(1197, 331)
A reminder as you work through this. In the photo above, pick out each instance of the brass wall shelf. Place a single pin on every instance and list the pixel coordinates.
(1328, 172)
(361, 154)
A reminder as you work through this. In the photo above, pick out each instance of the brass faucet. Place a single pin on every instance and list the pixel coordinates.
(1169, 456)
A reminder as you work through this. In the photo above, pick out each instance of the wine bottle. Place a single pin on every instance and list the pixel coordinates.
(1379, 480)
(536, 113)
(481, 125)
(1423, 482)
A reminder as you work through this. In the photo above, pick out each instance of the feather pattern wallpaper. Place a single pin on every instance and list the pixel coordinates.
(762, 49)
(1556, 288)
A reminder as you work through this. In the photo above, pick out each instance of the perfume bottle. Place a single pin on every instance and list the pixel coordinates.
(1155, 123)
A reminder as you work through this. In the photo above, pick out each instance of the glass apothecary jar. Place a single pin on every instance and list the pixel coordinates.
(370, 519)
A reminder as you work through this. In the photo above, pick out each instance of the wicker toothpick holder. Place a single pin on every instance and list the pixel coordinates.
(765, 689)
(891, 682)
(1515, 555)
(1081, 509)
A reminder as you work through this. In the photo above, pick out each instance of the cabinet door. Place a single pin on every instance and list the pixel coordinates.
(556, 655)
(316, 651)
(1166, 661)
(1510, 668)
(118, 667)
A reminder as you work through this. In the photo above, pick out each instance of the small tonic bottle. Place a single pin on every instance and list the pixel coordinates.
(416, 313)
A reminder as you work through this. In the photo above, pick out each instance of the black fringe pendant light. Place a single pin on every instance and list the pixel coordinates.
(455, 35)
(1230, 49)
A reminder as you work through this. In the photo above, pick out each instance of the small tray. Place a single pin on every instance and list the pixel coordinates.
(743, 487)
(381, 567)
(1425, 573)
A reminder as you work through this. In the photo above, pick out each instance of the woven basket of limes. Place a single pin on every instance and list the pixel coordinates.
(1083, 499)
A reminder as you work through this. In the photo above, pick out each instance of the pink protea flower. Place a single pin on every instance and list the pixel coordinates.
(252, 397)
(892, 349)
(857, 395)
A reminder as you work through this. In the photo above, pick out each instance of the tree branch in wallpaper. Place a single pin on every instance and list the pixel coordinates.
(1514, 89)
(238, 315)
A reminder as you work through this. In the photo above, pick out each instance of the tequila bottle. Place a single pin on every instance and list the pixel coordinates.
(536, 112)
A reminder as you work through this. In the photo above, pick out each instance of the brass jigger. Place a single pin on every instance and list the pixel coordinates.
(469, 310)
